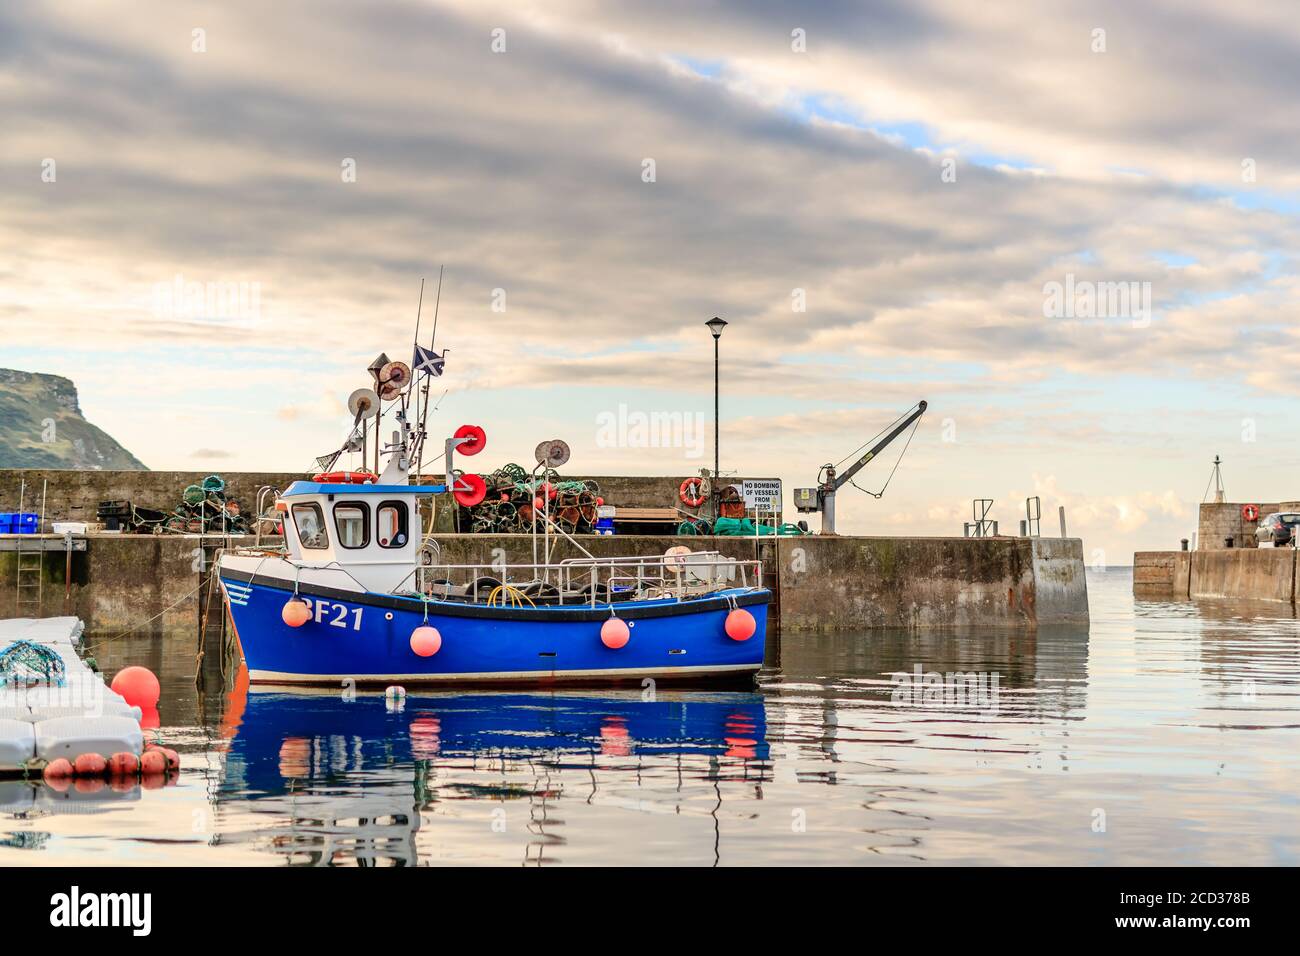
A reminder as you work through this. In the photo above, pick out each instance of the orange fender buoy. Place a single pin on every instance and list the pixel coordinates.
(615, 633)
(426, 641)
(295, 612)
(740, 624)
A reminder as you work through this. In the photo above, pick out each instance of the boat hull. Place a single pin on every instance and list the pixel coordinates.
(365, 638)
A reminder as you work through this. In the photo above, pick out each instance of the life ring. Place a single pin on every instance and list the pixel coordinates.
(346, 478)
(694, 491)
(1250, 512)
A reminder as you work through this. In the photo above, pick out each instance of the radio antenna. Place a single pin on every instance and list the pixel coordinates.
(436, 302)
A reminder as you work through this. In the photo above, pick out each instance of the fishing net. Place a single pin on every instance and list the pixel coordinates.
(23, 662)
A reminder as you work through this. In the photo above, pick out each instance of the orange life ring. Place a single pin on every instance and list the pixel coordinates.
(346, 478)
(1250, 512)
(692, 492)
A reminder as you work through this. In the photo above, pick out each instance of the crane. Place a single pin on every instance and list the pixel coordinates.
(829, 481)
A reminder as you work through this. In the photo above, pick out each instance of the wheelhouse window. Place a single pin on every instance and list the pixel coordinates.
(392, 524)
(352, 521)
(309, 521)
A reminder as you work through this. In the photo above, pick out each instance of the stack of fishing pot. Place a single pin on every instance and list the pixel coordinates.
(513, 496)
(205, 509)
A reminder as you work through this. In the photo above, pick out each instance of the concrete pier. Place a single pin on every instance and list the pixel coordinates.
(821, 583)
(1251, 574)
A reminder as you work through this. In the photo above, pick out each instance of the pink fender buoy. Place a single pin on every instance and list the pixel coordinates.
(137, 686)
(90, 765)
(123, 764)
(152, 763)
(614, 633)
(426, 641)
(740, 625)
(58, 770)
(295, 612)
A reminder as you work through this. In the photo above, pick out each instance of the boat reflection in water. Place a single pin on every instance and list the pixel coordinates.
(355, 776)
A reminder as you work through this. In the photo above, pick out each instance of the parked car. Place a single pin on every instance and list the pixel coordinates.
(1277, 529)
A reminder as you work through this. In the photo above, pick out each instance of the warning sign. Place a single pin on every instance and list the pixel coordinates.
(762, 493)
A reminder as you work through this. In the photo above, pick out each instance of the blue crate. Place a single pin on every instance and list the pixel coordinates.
(6, 527)
(26, 523)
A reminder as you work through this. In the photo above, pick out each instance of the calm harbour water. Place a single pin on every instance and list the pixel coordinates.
(1165, 733)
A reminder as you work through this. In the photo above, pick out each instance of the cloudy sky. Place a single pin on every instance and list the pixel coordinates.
(887, 201)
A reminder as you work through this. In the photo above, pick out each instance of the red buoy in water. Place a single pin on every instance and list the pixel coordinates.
(614, 633)
(295, 612)
(740, 624)
(426, 641)
(138, 687)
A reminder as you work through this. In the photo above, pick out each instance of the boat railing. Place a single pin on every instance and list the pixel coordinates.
(590, 581)
(264, 514)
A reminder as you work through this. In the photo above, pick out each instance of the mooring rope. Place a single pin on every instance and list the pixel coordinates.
(132, 630)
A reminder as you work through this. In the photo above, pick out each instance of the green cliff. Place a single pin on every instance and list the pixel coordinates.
(41, 427)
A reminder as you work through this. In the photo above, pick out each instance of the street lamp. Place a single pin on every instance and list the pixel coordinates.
(716, 325)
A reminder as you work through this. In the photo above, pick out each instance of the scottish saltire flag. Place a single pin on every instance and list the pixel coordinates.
(429, 361)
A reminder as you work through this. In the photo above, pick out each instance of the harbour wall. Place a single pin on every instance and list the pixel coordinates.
(75, 495)
(1252, 574)
(820, 582)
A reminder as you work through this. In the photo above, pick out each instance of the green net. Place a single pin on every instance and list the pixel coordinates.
(23, 662)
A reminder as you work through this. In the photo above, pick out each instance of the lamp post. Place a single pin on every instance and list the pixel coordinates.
(716, 325)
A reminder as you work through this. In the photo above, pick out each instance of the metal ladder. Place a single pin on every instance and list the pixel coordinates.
(31, 581)
(30, 574)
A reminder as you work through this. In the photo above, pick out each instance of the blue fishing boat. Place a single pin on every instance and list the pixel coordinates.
(358, 591)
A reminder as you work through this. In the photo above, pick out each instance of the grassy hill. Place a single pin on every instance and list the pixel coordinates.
(41, 427)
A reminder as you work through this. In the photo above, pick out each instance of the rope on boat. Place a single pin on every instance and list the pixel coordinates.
(509, 592)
